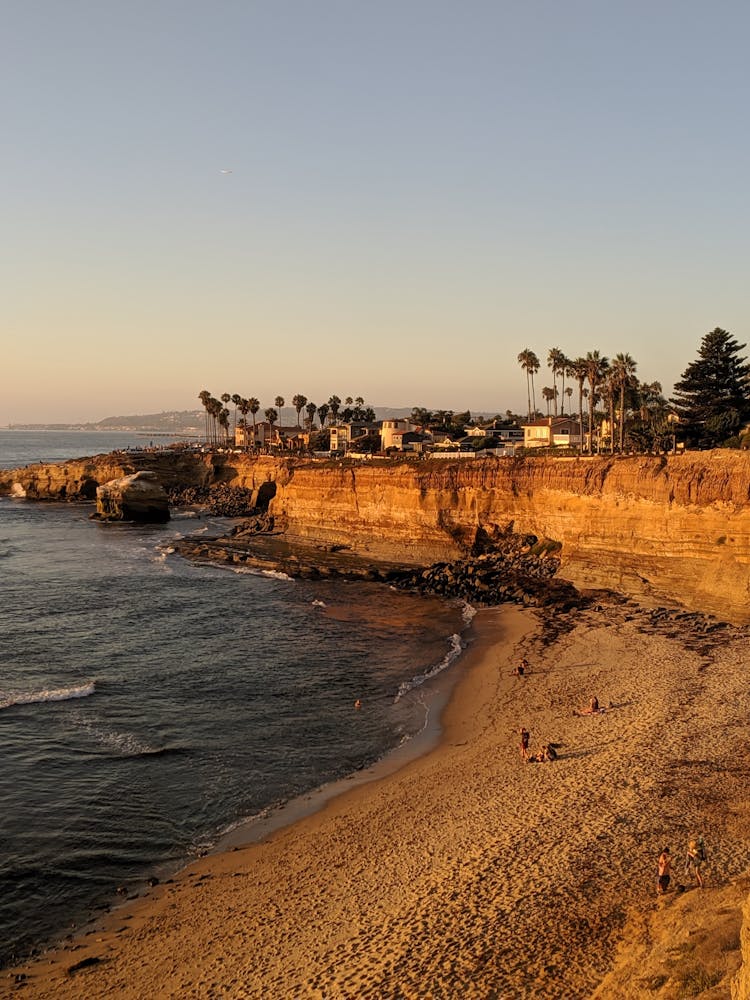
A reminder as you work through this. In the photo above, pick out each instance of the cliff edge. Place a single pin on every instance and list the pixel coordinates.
(672, 530)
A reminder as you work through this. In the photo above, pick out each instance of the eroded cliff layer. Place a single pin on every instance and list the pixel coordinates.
(671, 529)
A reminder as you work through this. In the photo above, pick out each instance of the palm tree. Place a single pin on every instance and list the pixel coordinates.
(556, 361)
(623, 372)
(530, 364)
(609, 391)
(549, 394)
(244, 407)
(334, 404)
(253, 406)
(568, 393)
(578, 372)
(311, 409)
(271, 416)
(596, 369)
(323, 413)
(298, 402)
(223, 418)
(214, 409)
(279, 404)
(236, 399)
(204, 396)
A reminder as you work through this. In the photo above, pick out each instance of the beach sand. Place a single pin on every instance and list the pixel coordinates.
(469, 873)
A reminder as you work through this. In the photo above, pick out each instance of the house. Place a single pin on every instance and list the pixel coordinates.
(552, 432)
(389, 429)
(345, 436)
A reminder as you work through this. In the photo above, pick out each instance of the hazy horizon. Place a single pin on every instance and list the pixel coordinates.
(389, 201)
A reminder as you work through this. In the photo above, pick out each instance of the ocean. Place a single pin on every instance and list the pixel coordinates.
(149, 705)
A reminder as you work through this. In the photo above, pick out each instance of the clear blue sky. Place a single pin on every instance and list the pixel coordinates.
(419, 191)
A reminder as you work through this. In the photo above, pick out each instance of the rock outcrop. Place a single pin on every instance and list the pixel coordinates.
(138, 497)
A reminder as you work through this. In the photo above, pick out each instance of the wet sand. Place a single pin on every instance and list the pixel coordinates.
(469, 873)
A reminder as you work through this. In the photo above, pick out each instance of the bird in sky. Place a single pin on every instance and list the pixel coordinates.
(225, 171)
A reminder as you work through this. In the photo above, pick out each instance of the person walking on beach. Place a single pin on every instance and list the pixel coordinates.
(525, 737)
(696, 857)
(665, 871)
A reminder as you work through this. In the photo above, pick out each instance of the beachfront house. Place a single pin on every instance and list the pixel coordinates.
(392, 431)
(344, 436)
(552, 432)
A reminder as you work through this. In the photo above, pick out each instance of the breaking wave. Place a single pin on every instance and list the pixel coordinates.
(58, 694)
(456, 647)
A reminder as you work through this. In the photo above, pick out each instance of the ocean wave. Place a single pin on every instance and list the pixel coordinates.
(122, 745)
(7, 700)
(456, 647)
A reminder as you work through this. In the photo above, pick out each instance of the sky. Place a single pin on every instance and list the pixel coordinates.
(418, 192)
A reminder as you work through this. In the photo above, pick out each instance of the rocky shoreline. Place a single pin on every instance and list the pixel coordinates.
(511, 568)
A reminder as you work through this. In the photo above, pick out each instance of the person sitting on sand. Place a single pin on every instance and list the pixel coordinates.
(665, 870)
(696, 857)
(525, 737)
(549, 752)
(591, 709)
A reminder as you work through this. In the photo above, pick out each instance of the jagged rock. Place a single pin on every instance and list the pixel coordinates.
(138, 497)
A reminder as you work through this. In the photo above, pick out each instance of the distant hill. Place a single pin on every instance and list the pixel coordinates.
(188, 422)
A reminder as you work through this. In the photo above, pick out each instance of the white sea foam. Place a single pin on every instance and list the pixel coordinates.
(10, 698)
(252, 571)
(319, 604)
(456, 646)
(467, 613)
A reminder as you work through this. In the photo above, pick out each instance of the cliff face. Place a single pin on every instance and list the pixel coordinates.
(666, 530)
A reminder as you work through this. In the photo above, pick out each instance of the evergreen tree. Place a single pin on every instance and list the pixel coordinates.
(711, 398)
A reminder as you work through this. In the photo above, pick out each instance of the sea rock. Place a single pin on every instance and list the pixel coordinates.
(138, 497)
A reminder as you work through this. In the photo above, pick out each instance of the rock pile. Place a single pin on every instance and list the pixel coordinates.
(219, 501)
(516, 575)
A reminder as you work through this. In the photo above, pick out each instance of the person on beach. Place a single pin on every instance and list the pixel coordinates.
(525, 737)
(696, 857)
(522, 667)
(358, 704)
(665, 871)
(591, 709)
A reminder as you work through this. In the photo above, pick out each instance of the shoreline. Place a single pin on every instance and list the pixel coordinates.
(467, 872)
(446, 718)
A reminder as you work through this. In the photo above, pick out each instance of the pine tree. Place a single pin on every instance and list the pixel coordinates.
(712, 397)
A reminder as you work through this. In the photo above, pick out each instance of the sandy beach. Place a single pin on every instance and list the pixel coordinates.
(468, 872)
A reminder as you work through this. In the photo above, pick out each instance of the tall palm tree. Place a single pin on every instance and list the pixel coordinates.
(596, 368)
(253, 406)
(334, 404)
(223, 418)
(578, 372)
(244, 408)
(549, 394)
(323, 413)
(530, 364)
(556, 362)
(204, 396)
(298, 402)
(311, 409)
(279, 404)
(623, 372)
(271, 416)
(236, 399)
(214, 409)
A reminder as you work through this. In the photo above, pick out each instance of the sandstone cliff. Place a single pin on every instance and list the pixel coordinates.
(664, 529)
